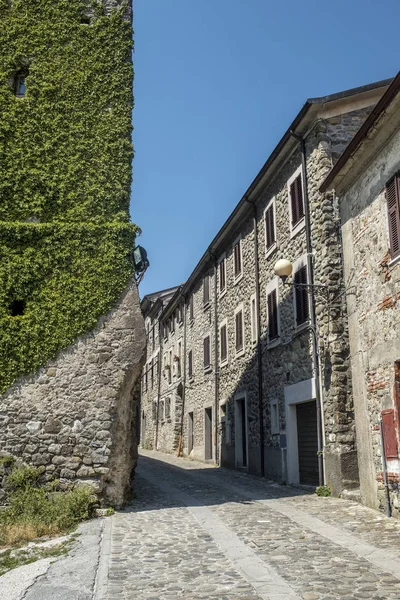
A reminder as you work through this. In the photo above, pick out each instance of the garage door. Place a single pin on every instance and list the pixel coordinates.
(307, 442)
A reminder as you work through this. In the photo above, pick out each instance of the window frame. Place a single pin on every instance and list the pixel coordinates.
(394, 256)
(240, 352)
(191, 308)
(190, 365)
(206, 290)
(222, 262)
(237, 242)
(300, 225)
(273, 286)
(254, 320)
(270, 249)
(223, 361)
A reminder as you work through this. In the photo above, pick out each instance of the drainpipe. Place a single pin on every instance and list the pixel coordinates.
(259, 342)
(183, 375)
(216, 364)
(313, 318)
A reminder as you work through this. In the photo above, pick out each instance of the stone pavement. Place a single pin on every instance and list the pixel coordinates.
(198, 532)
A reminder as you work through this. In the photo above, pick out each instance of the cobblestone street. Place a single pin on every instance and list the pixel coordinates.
(199, 532)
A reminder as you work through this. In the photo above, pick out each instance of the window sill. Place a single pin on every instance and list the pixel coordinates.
(238, 278)
(206, 306)
(207, 370)
(302, 327)
(222, 294)
(224, 363)
(271, 250)
(273, 343)
(239, 353)
(297, 228)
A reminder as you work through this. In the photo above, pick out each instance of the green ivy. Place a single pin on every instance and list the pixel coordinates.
(65, 164)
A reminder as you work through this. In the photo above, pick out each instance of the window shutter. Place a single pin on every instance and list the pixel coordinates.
(222, 275)
(190, 361)
(296, 199)
(237, 259)
(206, 343)
(269, 226)
(301, 296)
(206, 289)
(392, 197)
(224, 353)
(239, 331)
(272, 315)
(191, 308)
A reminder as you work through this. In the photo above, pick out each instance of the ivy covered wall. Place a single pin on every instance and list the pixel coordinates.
(65, 164)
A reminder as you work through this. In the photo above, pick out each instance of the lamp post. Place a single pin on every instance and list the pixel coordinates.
(283, 269)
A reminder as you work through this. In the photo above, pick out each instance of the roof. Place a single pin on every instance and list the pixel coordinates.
(157, 298)
(361, 135)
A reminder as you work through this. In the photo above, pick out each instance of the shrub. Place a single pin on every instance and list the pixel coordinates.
(323, 490)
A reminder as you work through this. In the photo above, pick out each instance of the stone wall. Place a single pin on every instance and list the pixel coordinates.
(76, 416)
(372, 291)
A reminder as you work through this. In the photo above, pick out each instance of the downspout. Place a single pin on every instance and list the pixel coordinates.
(216, 362)
(313, 318)
(180, 453)
(259, 341)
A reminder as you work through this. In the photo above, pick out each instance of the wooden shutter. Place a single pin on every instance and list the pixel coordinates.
(389, 434)
(296, 200)
(392, 197)
(206, 289)
(206, 344)
(222, 275)
(269, 226)
(237, 259)
(190, 361)
(272, 315)
(301, 296)
(239, 331)
(224, 347)
(191, 308)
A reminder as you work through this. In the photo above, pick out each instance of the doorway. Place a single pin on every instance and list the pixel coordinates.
(241, 433)
(190, 433)
(208, 450)
(307, 440)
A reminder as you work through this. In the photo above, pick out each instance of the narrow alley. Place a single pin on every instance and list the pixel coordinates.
(197, 532)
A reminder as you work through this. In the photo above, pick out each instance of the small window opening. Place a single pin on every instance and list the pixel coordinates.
(20, 84)
(17, 308)
(86, 20)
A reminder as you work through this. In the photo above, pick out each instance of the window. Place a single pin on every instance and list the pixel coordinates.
(237, 258)
(180, 314)
(207, 352)
(223, 342)
(154, 410)
(393, 208)
(270, 227)
(179, 361)
(239, 337)
(170, 366)
(206, 290)
(190, 364)
(152, 373)
(191, 308)
(172, 324)
(146, 379)
(273, 325)
(296, 202)
(301, 295)
(162, 410)
(20, 85)
(253, 319)
(222, 276)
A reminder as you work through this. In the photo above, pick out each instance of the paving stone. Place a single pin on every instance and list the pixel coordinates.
(160, 550)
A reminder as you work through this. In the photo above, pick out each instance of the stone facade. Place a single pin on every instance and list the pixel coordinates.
(372, 280)
(76, 416)
(251, 401)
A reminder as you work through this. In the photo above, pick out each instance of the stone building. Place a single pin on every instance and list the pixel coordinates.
(366, 180)
(266, 382)
(71, 330)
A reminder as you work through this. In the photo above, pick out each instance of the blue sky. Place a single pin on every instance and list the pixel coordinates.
(217, 83)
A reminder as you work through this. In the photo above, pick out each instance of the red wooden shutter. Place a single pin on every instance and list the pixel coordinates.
(239, 331)
(392, 197)
(269, 226)
(301, 296)
(272, 316)
(296, 200)
(389, 434)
